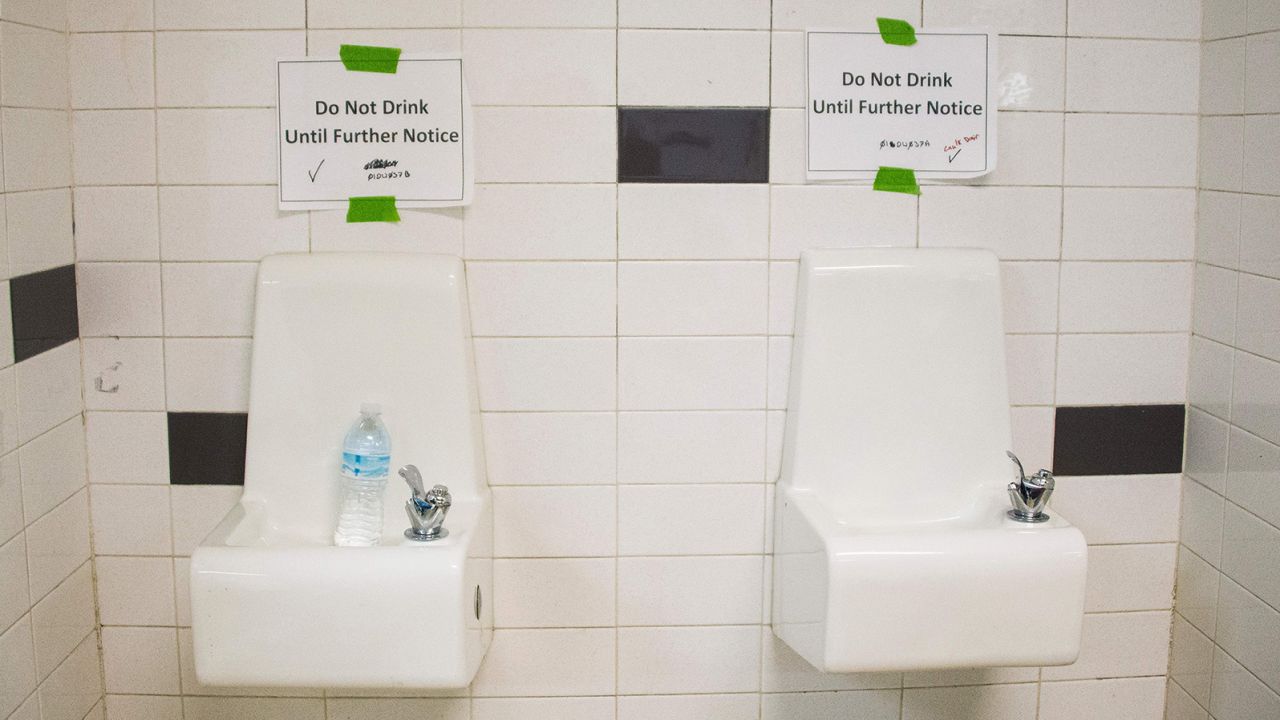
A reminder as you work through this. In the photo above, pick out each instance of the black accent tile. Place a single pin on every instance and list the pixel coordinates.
(693, 145)
(1118, 440)
(43, 305)
(207, 448)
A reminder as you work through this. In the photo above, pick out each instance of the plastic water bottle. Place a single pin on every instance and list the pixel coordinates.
(366, 460)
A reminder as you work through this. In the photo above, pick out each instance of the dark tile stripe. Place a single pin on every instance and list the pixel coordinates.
(207, 448)
(693, 145)
(1118, 440)
(43, 306)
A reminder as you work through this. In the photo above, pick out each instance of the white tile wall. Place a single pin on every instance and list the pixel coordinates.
(49, 664)
(632, 341)
(1224, 661)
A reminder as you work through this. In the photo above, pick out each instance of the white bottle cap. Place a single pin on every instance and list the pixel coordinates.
(370, 409)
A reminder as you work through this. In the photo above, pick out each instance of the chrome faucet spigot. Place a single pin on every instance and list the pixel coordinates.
(426, 509)
(1029, 495)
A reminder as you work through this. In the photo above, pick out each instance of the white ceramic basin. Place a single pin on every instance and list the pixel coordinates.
(273, 602)
(269, 612)
(987, 592)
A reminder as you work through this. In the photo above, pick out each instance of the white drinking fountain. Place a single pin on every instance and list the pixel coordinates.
(273, 602)
(897, 546)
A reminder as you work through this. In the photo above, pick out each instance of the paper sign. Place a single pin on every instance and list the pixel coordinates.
(345, 134)
(928, 107)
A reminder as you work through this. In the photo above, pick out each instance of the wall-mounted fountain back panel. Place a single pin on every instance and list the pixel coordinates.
(901, 375)
(333, 331)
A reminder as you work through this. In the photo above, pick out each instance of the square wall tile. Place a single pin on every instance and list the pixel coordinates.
(135, 590)
(37, 147)
(559, 67)
(542, 298)
(1159, 77)
(1098, 297)
(557, 13)
(47, 390)
(209, 299)
(34, 67)
(1178, 19)
(57, 544)
(53, 468)
(391, 14)
(656, 591)
(110, 15)
(691, 447)
(550, 448)
(516, 663)
(1119, 645)
(711, 145)
(572, 145)
(691, 374)
(1253, 475)
(1129, 698)
(660, 221)
(1016, 17)
(1015, 223)
(557, 222)
(140, 660)
(802, 14)
(1130, 577)
(205, 506)
(112, 70)
(692, 298)
(182, 135)
(699, 14)
(230, 14)
(41, 13)
(207, 374)
(658, 660)
(16, 653)
(209, 69)
(521, 530)
(194, 224)
(1117, 149)
(62, 620)
(680, 67)
(990, 702)
(576, 592)
(710, 520)
(123, 374)
(838, 216)
(116, 223)
(44, 311)
(1097, 505)
(1122, 369)
(39, 231)
(114, 147)
(1128, 224)
(15, 599)
(207, 448)
(131, 520)
(546, 374)
(119, 299)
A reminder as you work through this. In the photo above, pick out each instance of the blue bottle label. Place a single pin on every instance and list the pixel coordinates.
(365, 465)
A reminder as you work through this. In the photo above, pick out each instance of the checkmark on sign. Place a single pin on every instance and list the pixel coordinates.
(949, 157)
(312, 175)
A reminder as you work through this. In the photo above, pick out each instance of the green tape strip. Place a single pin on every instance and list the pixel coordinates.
(366, 58)
(896, 32)
(377, 208)
(895, 179)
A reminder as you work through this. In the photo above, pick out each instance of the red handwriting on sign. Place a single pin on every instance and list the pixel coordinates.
(955, 144)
